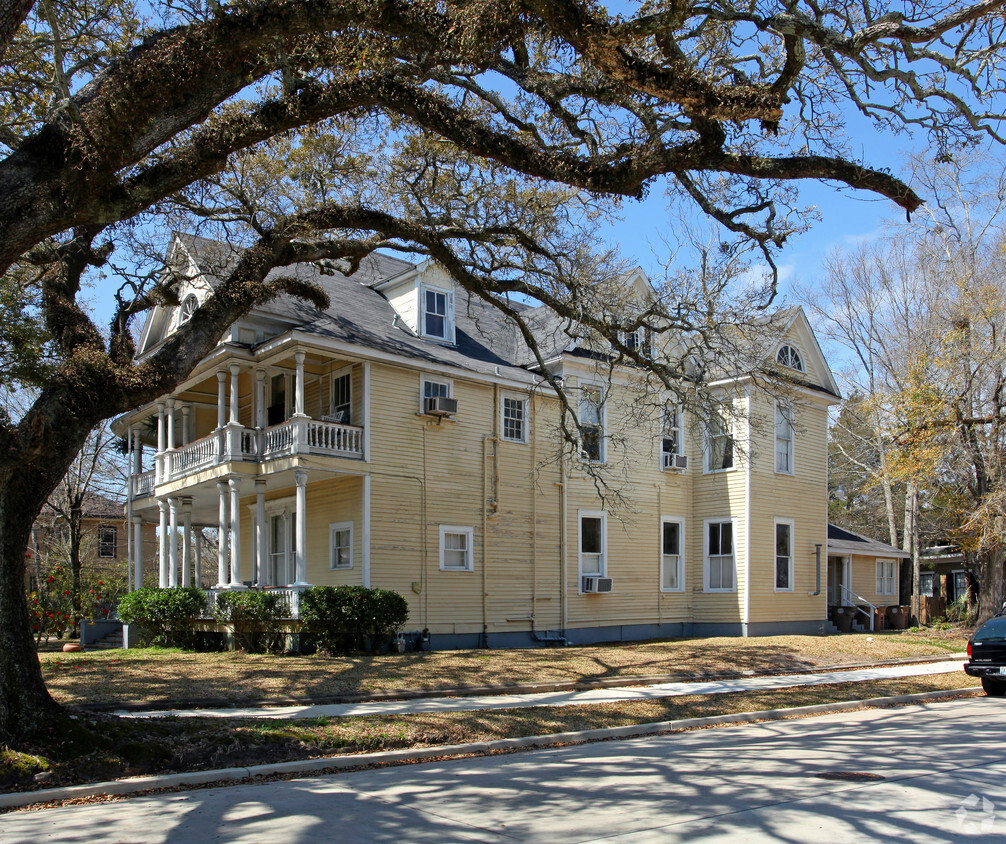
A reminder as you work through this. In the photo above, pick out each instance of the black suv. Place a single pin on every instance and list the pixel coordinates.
(987, 655)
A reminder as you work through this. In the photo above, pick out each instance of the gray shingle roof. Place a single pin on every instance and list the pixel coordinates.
(842, 541)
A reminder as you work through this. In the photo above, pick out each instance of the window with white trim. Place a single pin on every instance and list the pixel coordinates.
(637, 340)
(719, 443)
(456, 548)
(436, 313)
(279, 409)
(721, 566)
(790, 357)
(591, 418)
(434, 388)
(887, 577)
(784, 437)
(190, 304)
(340, 545)
(107, 541)
(672, 555)
(671, 443)
(783, 555)
(340, 405)
(514, 424)
(593, 541)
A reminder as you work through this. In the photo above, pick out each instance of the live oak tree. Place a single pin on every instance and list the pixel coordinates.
(726, 104)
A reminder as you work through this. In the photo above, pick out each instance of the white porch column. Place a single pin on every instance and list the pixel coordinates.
(221, 399)
(235, 371)
(288, 552)
(260, 408)
(298, 391)
(235, 485)
(366, 411)
(365, 533)
(261, 542)
(159, 458)
(223, 529)
(199, 558)
(169, 463)
(162, 555)
(137, 552)
(173, 542)
(186, 410)
(300, 546)
(137, 452)
(186, 542)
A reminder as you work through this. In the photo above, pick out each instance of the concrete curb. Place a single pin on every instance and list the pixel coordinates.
(137, 785)
(478, 691)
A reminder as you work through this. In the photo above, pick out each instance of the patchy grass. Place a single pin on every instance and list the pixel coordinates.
(106, 747)
(163, 677)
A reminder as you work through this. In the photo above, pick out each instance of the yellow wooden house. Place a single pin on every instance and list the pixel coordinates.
(406, 439)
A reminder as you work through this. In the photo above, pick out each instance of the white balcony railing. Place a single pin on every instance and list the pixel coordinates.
(143, 484)
(295, 436)
(195, 455)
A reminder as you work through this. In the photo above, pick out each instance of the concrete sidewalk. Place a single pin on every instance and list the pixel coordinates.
(564, 698)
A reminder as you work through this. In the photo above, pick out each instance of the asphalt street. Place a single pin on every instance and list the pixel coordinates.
(935, 772)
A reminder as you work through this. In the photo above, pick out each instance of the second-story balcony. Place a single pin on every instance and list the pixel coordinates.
(236, 443)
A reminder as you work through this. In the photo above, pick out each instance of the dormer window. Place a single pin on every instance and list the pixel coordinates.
(437, 314)
(789, 356)
(190, 304)
(636, 340)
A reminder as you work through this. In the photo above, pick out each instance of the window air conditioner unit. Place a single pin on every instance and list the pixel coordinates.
(441, 406)
(595, 584)
(677, 462)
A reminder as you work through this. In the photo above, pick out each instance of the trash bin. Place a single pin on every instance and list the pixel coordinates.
(879, 618)
(897, 618)
(843, 619)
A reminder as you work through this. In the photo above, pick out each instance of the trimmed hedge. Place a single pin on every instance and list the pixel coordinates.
(166, 614)
(253, 618)
(348, 618)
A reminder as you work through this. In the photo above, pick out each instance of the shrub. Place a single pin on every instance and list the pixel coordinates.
(961, 612)
(344, 618)
(253, 618)
(166, 615)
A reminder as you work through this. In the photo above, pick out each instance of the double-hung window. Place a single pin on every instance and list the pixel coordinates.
(672, 557)
(887, 577)
(456, 552)
(341, 404)
(593, 540)
(106, 541)
(514, 411)
(340, 545)
(719, 443)
(591, 424)
(671, 444)
(783, 555)
(721, 567)
(436, 314)
(784, 438)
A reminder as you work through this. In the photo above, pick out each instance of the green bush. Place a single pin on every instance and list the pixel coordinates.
(253, 618)
(347, 618)
(167, 615)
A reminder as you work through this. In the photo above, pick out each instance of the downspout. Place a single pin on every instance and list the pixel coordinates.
(563, 543)
(817, 553)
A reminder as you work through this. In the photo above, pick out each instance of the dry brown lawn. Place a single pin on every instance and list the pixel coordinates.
(163, 678)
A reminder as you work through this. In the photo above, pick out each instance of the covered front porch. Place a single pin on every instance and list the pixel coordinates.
(265, 535)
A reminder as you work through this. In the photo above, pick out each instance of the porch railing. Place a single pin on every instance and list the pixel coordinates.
(289, 600)
(299, 435)
(851, 599)
(143, 484)
(195, 455)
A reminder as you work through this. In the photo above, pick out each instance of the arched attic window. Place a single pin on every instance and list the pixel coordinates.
(190, 304)
(789, 356)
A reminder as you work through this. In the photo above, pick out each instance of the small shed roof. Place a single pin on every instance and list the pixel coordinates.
(842, 541)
